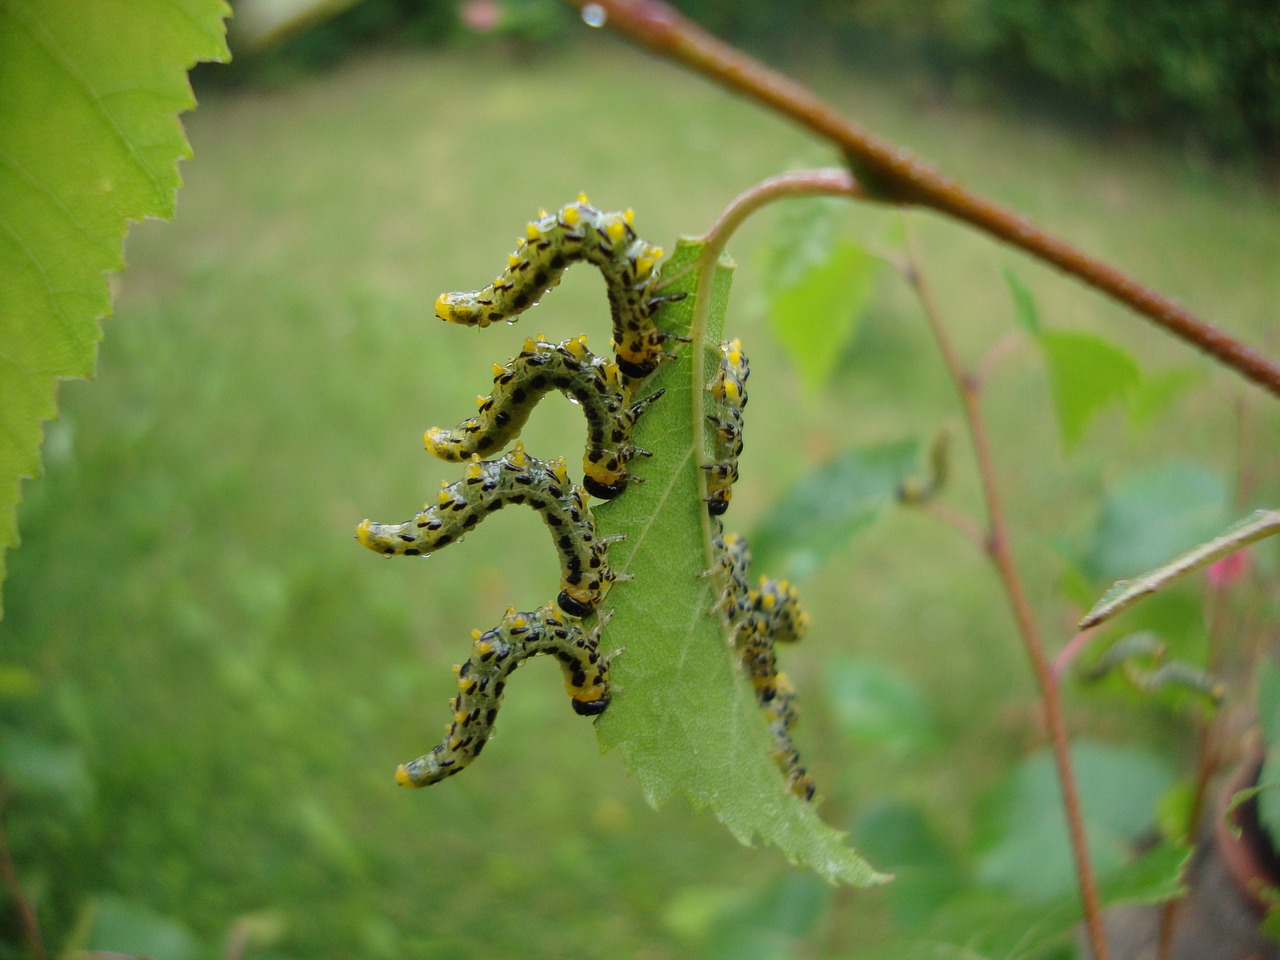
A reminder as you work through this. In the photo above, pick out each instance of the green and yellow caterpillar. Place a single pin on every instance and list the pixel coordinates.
(552, 243)
(729, 388)
(518, 385)
(490, 485)
(482, 678)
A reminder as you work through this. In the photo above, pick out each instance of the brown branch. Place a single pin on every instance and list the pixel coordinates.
(997, 546)
(895, 176)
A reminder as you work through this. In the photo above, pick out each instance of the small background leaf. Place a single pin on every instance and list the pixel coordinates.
(89, 140)
(1269, 722)
(1154, 515)
(684, 717)
(1086, 373)
(1024, 846)
(817, 285)
(875, 703)
(982, 926)
(819, 515)
(1024, 305)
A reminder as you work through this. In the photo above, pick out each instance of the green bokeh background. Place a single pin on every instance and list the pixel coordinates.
(211, 683)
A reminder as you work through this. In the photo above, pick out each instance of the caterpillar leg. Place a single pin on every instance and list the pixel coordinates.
(490, 485)
(483, 677)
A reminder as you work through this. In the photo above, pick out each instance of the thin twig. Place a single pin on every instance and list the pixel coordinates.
(9, 877)
(997, 544)
(895, 176)
(801, 183)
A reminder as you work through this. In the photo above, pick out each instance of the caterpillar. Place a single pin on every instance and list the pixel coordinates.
(575, 371)
(552, 243)
(758, 619)
(489, 485)
(482, 678)
(729, 387)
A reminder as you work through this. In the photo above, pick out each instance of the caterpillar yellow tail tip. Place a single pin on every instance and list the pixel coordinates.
(402, 776)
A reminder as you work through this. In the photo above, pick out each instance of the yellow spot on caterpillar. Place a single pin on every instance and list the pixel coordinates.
(629, 215)
(656, 252)
(444, 307)
(577, 346)
(644, 266)
(570, 215)
(402, 776)
(364, 533)
(582, 198)
(731, 390)
(542, 214)
(560, 469)
(519, 623)
(616, 230)
(459, 717)
(534, 231)
(513, 261)
(457, 667)
(484, 647)
(474, 470)
(481, 400)
(498, 370)
(517, 457)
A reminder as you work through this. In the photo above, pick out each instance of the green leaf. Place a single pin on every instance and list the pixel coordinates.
(818, 285)
(1269, 722)
(926, 874)
(89, 139)
(1086, 373)
(820, 514)
(875, 703)
(1157, 393)
(134, 929)
(684, 717)
(47, 773)
(1153, 515)
(989, 927)
(1125, 593)
(1024, 305)
(1025, 850)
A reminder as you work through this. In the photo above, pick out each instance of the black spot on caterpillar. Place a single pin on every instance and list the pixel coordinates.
(553, 242)
(758, 619)
(729, 387)
(571, 368)
(490, 485)
(481, 679)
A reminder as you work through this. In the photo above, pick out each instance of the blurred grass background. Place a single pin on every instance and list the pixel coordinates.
(211, 683)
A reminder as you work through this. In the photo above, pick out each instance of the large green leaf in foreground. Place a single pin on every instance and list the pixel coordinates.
(89, 140)
(685, 719)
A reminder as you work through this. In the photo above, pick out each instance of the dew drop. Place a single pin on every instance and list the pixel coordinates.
(594, 15)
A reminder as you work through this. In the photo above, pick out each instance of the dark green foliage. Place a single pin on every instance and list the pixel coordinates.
(1209, 69)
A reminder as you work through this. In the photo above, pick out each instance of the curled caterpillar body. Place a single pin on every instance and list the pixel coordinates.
(490, 485)
(482, 678)
(759, 618)
(518, 385)
(729, 388)
(555, 241)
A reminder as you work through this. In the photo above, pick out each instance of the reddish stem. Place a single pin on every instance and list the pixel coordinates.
(26, 915)
(997, 547)
(894, 175)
